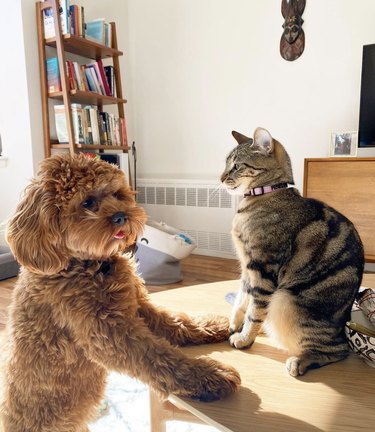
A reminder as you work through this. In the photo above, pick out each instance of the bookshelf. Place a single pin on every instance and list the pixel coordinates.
(62, 44)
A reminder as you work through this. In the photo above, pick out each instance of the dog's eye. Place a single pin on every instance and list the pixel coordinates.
(118, 195)
(89, 203)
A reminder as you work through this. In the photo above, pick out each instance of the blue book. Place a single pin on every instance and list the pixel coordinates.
(95, 30)
(90, 80)
(73, 24)
(53, 75)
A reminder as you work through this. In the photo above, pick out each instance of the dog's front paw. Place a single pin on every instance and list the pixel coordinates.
(216, 328)
(239, 341)
(220, 383)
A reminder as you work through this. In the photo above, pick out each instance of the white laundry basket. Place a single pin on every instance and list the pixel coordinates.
(159, 251)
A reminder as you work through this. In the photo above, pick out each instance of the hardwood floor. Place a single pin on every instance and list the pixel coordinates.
(196, 269)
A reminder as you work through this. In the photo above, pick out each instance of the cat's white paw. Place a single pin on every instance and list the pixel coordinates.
(237, 340)
(295, 366)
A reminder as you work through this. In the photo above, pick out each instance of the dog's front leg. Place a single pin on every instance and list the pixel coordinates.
(181, 329)
(132, 348)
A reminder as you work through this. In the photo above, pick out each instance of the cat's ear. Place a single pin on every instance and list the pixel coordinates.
(263, 140)
(241, 139)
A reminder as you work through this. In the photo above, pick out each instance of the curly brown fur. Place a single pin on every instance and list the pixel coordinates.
(79, 309)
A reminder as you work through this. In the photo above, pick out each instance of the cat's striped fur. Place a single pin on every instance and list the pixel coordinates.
(301, 261)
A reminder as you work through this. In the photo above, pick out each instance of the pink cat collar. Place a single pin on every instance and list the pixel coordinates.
(265, 189)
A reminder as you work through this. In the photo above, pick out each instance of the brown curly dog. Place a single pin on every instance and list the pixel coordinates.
(79, 309)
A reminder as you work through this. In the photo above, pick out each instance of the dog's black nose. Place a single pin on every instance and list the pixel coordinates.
(119, 218)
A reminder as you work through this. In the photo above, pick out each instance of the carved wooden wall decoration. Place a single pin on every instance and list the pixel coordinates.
(292, 41)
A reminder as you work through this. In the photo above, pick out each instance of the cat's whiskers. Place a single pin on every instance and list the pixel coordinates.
(214, 192)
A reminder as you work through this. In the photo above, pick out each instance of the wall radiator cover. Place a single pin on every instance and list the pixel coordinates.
(200, 208)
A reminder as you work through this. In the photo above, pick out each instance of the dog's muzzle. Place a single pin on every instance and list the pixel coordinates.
(119, 218)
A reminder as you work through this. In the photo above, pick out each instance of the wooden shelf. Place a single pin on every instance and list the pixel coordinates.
(85, 47)
(89, 98)
(55, 145)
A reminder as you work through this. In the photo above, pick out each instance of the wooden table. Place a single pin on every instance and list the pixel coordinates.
(348, 185)
(339, 397)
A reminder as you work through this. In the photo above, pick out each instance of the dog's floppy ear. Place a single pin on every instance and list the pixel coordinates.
(34, 233)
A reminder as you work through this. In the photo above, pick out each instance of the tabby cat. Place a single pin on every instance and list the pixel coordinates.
(301, 261)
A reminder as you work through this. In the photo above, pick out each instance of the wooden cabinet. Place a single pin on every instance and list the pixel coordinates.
(348, 185)
(86, 49)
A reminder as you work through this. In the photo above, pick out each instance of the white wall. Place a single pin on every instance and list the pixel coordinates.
(193, 70)
(20, 116)
(202, 68)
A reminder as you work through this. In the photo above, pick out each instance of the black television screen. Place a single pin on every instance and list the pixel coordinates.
(366, 128)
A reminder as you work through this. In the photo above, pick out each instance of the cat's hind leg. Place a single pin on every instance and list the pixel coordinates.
(317, 357)
(312, 343)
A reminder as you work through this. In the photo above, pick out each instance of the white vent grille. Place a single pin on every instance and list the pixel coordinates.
(200, 209)
(185, 196)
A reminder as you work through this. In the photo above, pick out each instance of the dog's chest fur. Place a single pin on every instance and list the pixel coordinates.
(92, 287)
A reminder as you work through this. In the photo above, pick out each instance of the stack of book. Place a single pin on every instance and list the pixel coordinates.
(91, 126)
(73, 21)
(92, 77)
(77, 20)
(89, 77)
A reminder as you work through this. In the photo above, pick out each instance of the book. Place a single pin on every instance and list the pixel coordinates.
(77, 25)
(48, 22)
(106, 122)
(53, 75)
(85, 84)
(124, 137)
(111, 138)
(77, 123)
(78, 76)
(100, 69)
(90, 126)
(99, 77)
(85, 130)
(94, 125)
(88, 139)
(95, 30)
(103, 116)
(82, 22)
(72, 17)
(71, 75)
(90, 79)
(107, 35)
(110, 74)
(91, 71)
(61, 123)
(100, 128)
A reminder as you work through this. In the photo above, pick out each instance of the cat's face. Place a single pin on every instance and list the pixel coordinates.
(258, 161)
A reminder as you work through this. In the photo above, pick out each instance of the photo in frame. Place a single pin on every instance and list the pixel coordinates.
(344, 144)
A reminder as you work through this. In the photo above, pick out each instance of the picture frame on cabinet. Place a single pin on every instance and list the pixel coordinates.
(343, 144)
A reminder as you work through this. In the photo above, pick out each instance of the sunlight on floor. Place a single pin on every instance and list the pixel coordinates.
(129, 409)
